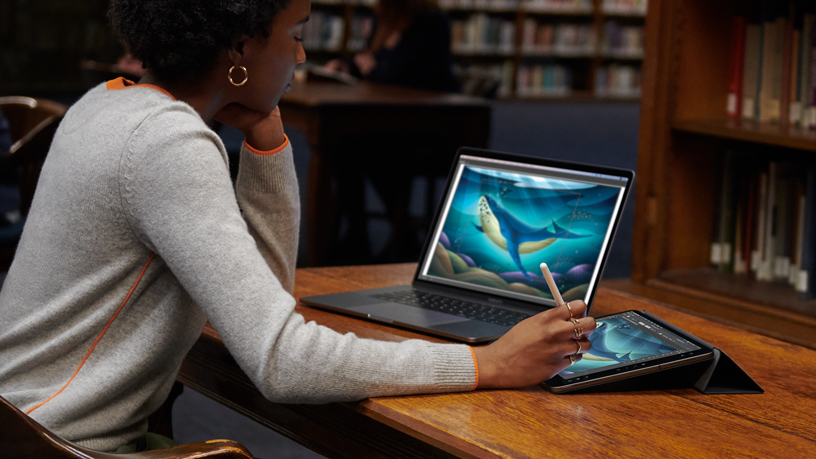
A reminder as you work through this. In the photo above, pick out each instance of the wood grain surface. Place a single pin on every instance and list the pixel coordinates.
(531, 422)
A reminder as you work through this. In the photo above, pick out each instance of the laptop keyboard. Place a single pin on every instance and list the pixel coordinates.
(475, 311)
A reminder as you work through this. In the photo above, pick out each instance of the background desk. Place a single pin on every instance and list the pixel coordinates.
(333, 114)
(531, 422)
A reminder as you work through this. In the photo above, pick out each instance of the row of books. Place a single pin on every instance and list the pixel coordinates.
(622, 41)
(487, 5)
(628, 7)
(477, 79)
(561, 6)
(483, 34)
(370, 3)
(543, 80)
(323, 32)
(543, 6)
(773, 70)
(766, 222)
(564, 38)
(556, 6)
(618, 81)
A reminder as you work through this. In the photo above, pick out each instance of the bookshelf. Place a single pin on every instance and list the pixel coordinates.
(42, 43)
(684, 135)
(535, 49)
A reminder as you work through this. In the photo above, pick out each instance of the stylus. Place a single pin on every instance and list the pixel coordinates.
(551, 282)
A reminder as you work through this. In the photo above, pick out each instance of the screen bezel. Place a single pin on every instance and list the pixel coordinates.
(560, 382)
(490, 154)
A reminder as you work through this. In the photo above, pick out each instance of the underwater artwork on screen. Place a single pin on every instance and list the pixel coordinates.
(617, 341)
(501, 226)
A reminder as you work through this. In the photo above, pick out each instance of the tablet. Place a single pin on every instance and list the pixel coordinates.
(629, 344)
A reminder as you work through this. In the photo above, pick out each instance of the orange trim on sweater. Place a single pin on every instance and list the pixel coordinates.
(270, 152)
(97, 338)
(122, 83)
(475, 365)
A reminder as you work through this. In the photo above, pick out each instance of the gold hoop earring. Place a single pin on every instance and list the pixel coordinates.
(246, 75)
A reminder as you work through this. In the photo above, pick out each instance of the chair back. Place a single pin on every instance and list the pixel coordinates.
(32, 124)
(24, 438)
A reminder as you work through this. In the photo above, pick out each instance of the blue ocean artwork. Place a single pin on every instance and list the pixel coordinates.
(617, 341)
(501, 226)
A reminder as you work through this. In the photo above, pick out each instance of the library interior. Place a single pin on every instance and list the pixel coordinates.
(711, 104)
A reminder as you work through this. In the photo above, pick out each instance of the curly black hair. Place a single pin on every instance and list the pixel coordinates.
(181, 40)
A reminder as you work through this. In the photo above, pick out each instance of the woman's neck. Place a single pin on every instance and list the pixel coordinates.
(205, 97)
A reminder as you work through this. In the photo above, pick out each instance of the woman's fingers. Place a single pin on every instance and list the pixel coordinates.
(572, 309)
(577, 346)
(582, 327)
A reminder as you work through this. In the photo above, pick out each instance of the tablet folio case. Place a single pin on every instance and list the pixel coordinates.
(724, 376)
(721, 375)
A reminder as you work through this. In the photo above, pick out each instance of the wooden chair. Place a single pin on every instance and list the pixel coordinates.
(32, 124)
(25, 438)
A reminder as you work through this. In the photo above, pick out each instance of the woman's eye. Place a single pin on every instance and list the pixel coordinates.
(300, 39)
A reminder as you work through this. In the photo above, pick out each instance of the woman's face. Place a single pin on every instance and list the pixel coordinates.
(271, 62)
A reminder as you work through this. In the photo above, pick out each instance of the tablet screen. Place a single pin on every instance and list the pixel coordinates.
(624, 340)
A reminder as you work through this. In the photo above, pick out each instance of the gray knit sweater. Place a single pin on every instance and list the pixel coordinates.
(131, 172)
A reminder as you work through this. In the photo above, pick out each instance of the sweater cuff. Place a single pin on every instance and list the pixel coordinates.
(269, 152)
(454, 368)
(267, 172)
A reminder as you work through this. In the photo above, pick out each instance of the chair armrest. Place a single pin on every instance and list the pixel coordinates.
(221, 449)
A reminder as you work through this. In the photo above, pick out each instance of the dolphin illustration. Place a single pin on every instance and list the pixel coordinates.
(515, 236)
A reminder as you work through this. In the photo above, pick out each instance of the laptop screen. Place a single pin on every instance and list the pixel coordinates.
(501, 219)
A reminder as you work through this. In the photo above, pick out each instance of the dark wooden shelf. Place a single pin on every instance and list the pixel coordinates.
(684, 133)
(741, 288)
(748, 131)
(767, 320)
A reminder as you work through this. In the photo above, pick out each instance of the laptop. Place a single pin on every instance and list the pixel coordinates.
(501, 216)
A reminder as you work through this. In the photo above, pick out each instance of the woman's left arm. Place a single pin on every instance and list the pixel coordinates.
(268, 195)
(267, 188)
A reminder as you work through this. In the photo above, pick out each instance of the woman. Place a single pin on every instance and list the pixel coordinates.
(410, 46)
(136, 237)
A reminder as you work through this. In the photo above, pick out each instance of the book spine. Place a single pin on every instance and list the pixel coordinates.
(796, 263)
(752, 67)
(812, 89)
(770, 96)
(805, 90)
(806, 282)
(785, 71)
(780, 262)
(764, 271)
(749, 224)
(795, 104)
(734, 104)
(762, 198)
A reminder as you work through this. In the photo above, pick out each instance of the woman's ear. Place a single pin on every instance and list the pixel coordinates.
(236, 52)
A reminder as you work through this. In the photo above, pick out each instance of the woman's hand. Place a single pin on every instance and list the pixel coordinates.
(336, 65)
(366, 62)
(263, 131)
(535, 349)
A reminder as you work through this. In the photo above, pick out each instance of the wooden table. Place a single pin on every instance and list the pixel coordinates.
(531, 422)
(332, 114)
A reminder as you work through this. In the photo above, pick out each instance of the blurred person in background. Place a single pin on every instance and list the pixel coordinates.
(410, 46)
